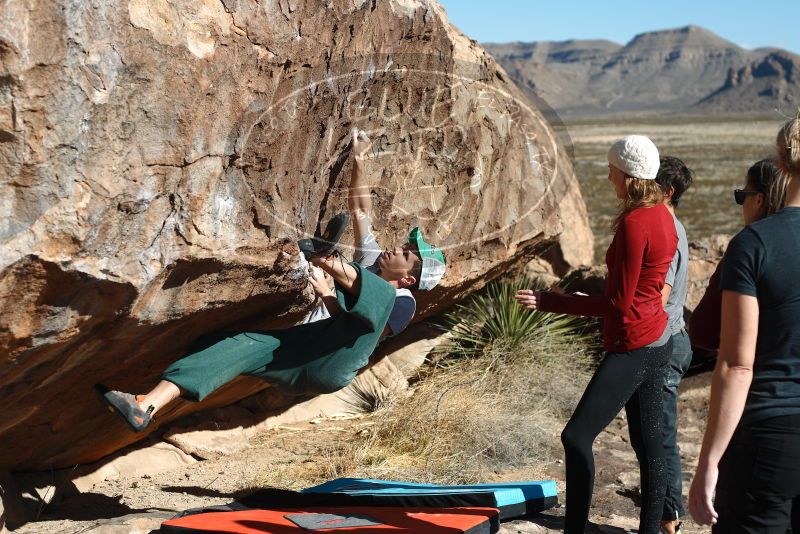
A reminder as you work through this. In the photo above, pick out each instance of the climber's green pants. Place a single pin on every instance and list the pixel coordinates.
(319, 357)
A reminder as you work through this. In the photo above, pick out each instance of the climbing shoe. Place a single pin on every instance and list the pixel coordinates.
(326, 244)
(129, 408)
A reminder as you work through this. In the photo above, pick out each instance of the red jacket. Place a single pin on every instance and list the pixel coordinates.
(638, 259)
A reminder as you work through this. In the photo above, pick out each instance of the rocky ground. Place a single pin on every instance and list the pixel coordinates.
(291, 456)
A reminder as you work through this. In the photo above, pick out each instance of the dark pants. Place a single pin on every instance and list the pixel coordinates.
(759, 478)
(679, 362)
(635, 380)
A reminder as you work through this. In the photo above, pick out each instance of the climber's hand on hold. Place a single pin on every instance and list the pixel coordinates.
(360, 143)
(316, 277)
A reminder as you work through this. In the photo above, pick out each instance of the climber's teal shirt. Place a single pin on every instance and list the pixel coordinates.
(319, 357)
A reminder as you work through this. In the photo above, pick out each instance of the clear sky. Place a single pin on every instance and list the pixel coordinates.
(749, 24)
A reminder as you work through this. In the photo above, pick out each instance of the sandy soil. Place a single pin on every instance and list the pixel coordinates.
(292, 457)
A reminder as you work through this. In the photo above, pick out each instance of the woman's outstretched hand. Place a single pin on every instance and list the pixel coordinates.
(701, 494)
(528, 299)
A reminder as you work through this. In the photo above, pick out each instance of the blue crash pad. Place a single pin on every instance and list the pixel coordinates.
(513, 499)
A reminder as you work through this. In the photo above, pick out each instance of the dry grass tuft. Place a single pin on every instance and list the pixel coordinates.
(472, 419)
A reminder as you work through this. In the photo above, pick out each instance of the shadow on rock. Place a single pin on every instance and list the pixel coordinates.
(90, 506)
(205, 492)
(634, 494)
(555, 522)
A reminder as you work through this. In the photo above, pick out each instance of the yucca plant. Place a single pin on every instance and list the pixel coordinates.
(366, 396)
(493, 316)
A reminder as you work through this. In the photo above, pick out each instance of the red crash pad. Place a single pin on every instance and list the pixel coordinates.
(369, 520)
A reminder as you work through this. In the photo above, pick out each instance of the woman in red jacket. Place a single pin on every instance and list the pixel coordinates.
(634, 335)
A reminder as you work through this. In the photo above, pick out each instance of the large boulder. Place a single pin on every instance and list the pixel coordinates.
(161, 157)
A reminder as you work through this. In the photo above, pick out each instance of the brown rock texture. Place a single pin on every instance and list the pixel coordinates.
(588, 280)
(704, 256)
(159, 158)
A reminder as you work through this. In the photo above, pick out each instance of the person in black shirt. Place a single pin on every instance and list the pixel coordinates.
(764, 193)
(751, 448)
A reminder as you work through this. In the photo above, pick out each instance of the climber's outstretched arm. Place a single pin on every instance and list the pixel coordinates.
(359, 196)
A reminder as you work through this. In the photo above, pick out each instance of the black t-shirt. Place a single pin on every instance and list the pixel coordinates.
(763, 261)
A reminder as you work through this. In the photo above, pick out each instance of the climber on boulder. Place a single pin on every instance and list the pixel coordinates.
(415, 265)
(371, 300)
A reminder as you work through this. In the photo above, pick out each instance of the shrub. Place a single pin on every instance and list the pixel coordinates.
(493, 316)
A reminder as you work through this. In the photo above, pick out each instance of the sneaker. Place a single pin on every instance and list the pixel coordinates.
(326, 244)
(129, 407)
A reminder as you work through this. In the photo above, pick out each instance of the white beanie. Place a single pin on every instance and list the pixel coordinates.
(636, 156)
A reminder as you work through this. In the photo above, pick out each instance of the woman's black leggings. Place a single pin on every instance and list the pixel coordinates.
(635, 380)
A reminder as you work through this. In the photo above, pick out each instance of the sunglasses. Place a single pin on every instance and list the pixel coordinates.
(740, 194)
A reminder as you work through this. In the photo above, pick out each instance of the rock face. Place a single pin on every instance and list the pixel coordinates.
(160, 158)
(687, 68)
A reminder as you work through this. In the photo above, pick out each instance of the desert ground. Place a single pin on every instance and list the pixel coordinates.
(309, 453)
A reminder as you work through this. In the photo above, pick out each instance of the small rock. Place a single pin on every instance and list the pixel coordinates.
(628, 479)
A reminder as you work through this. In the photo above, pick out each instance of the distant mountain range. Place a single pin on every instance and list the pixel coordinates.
(687, 69)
